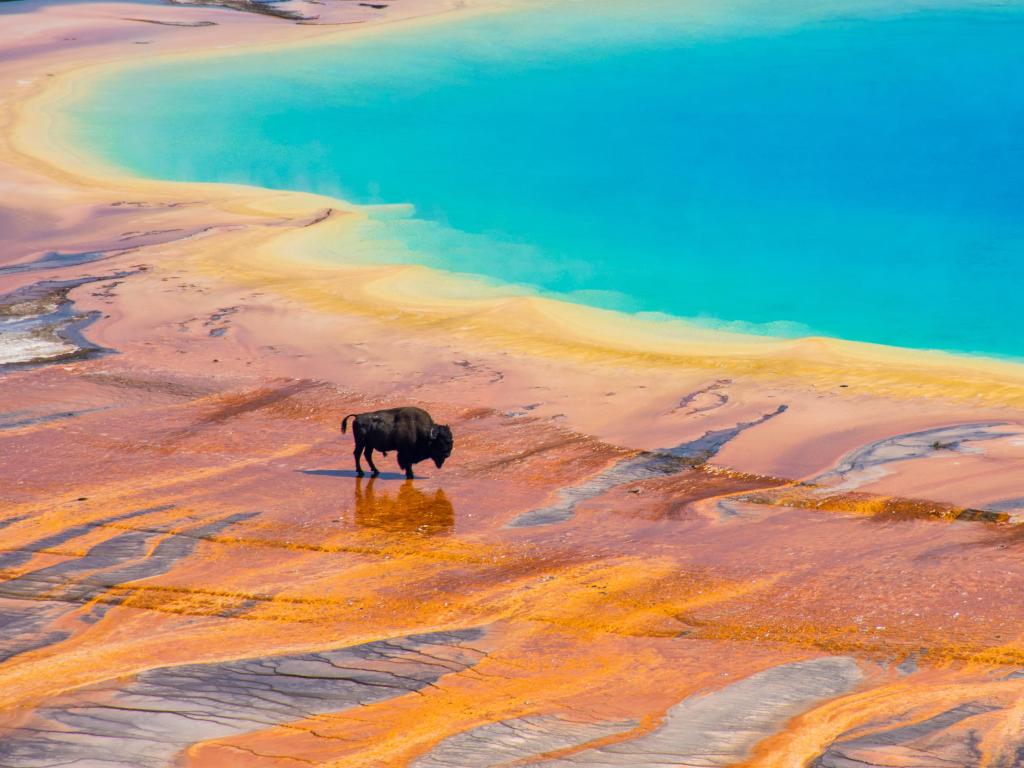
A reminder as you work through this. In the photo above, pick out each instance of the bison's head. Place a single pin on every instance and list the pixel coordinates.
(441, 442)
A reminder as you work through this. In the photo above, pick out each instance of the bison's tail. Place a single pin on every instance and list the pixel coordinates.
(344, 422)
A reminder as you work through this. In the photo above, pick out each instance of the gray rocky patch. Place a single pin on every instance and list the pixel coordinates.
(927, 743)
(643, 466)
(499, 744)
(869, 463)
(34, 601)
(39, 324)
(21, 419)
(720, 728)
(148, 722)
(56, 260)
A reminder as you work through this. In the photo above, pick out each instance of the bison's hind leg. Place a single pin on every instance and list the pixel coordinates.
(357, 452)
(369, 460)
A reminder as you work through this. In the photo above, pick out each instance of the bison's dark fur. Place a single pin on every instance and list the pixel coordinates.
(410, 431)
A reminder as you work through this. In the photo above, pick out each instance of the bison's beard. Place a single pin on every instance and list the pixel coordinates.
(439, 462)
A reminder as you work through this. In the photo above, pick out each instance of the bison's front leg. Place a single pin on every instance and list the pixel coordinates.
(404, 463)
(369, 460)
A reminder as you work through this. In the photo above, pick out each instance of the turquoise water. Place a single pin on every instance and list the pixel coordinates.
(858, 176)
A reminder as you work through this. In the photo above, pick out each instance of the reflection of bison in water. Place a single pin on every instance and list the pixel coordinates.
(410, 431)
(411, 512)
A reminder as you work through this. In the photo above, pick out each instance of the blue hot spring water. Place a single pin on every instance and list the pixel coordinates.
(858, 176)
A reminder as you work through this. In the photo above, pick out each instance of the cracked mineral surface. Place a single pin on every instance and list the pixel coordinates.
(149, 721)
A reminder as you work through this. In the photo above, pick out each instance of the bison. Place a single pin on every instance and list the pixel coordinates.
(410, 431)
